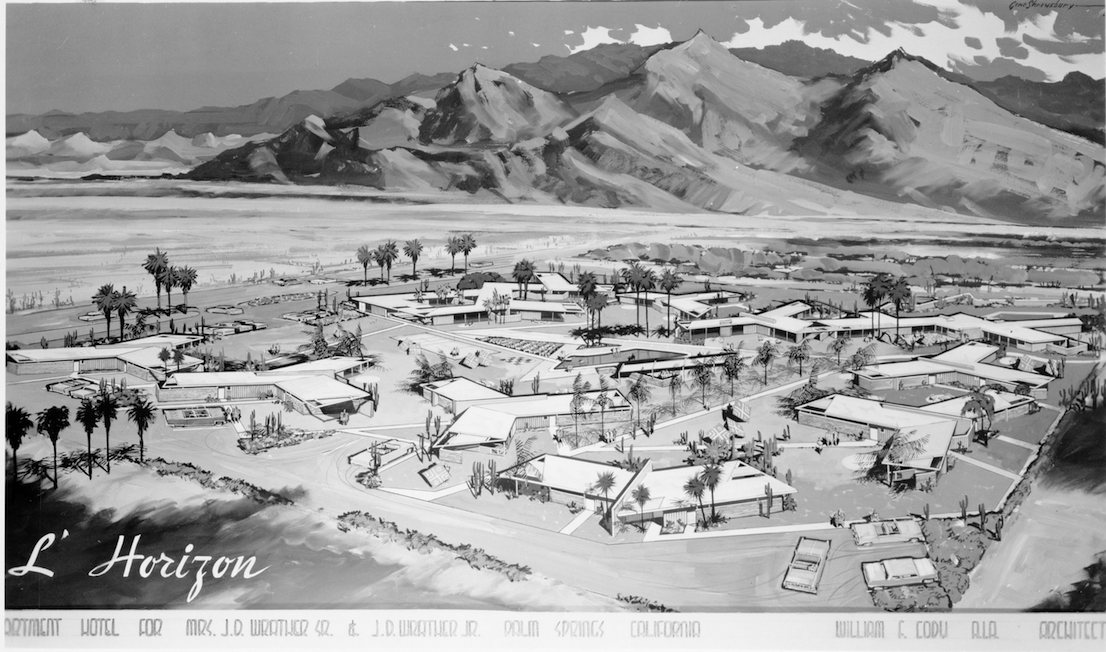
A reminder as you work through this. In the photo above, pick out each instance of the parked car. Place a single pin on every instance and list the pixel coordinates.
(807, 563)
(902, 530)
(900, 571)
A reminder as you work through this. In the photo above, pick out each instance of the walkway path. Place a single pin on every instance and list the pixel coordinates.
(1017, 442)
(426, 496)
(580, 519)
(983, 465)
(654, 533)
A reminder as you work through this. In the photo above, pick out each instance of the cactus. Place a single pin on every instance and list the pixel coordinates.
(982, 518)
(925, 511)
(768, 503)
(964, 502)
(491, 477)
(787, 477)
(998, 527)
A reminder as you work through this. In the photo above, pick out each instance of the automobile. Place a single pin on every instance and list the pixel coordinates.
(899, 571)
(902, 530)
(807, 563)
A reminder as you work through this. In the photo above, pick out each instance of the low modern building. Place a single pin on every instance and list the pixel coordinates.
(972, 364)
(324, 388)
(455, 395)
(139, 358)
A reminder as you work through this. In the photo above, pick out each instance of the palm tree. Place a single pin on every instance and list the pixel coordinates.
(380, 256)
(899, 293)
(595, 305)
(523, 275)
(838, 345)
(453, 247)
(702, 375)
(412, 249)
(51, 422)
(178, 357)
(88, 417)
(16, 425)
(164, 355)
(391, 255)
(641, 495)
(364, 256)
(711, 475)
(605, 482)
(185, 280)
(155, 265)
(587, 283)
(169, 280)
(632, 276)
(799, 354)
(694, 488)
(979, 404)
(732, 365)
(104, 300)
(142, 413)
(765, 354)
(468, 244)
(670, 281)
(125, 302)
(675, 384)
(648, 283)
(108, 408)
(900, 447)
(579, 395)
(639, 392)
(875, 289)
(603, 401)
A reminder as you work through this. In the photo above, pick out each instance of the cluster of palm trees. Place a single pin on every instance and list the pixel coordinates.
(592, 301)
(697, 485)
(883, 287)
(110, 301)
(53, 420)
(168, 277)
(386, 254)
(460, 244)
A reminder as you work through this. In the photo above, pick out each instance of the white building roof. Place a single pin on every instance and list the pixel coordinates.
(159, 340)
(967, 353)
(555, 282)
(482, 422)
(463, 389)
(870, 412)
(573, 474)
(955, 406)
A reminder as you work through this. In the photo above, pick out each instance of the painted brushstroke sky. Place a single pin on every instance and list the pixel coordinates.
(99, 56)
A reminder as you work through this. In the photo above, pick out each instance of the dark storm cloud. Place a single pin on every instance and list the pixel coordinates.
(1064, 49)
(973, 42)
(1010, 47)
(1082, 17)
(985, 69)
(849, 19)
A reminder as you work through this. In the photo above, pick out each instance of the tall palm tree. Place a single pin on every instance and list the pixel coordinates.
(899, 293)
(169, 280)
(365, 256)
(523, 275)
(595, 305)
(380, 256)
(125, 303)
(694, 488)
(51, 422)
(838, 345)
(186, 279)
(587, 283)
(703, 376)
(711, 475)
(155, 265)
(413, 249)
(675, 384)
(579, 394)
(633, 276)
(765, 354)
(453, 247)
(732, 365)
(107, 406)
(669, 281)
(16, 425)
(391, 255)
(104, 300)
(900, 448)
(603, 401)
(648, 284)
(641, 495)
(468, 244)
(979, 404)
(88, 416)
(639, 393)
(875, 289)
(605, 482)
(799, 354)
(142, 413)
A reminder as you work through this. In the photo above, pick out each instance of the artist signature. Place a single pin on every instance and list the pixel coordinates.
(1048, 4)
(149, 565)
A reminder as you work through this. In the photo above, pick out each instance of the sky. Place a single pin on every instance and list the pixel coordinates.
(96, 56)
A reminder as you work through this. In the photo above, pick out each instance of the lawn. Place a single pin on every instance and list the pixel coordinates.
(917, 396)
(1001, 454)
(1030, 428)
(549, 515)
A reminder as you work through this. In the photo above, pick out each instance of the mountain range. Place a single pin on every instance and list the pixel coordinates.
(692, 125)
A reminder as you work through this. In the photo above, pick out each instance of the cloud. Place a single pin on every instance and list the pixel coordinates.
(973, 43)
(646, 36)
(453, 47)
(1010, 47)
(593, 36)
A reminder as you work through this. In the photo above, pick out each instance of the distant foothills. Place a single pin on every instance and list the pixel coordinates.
(786, 129)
